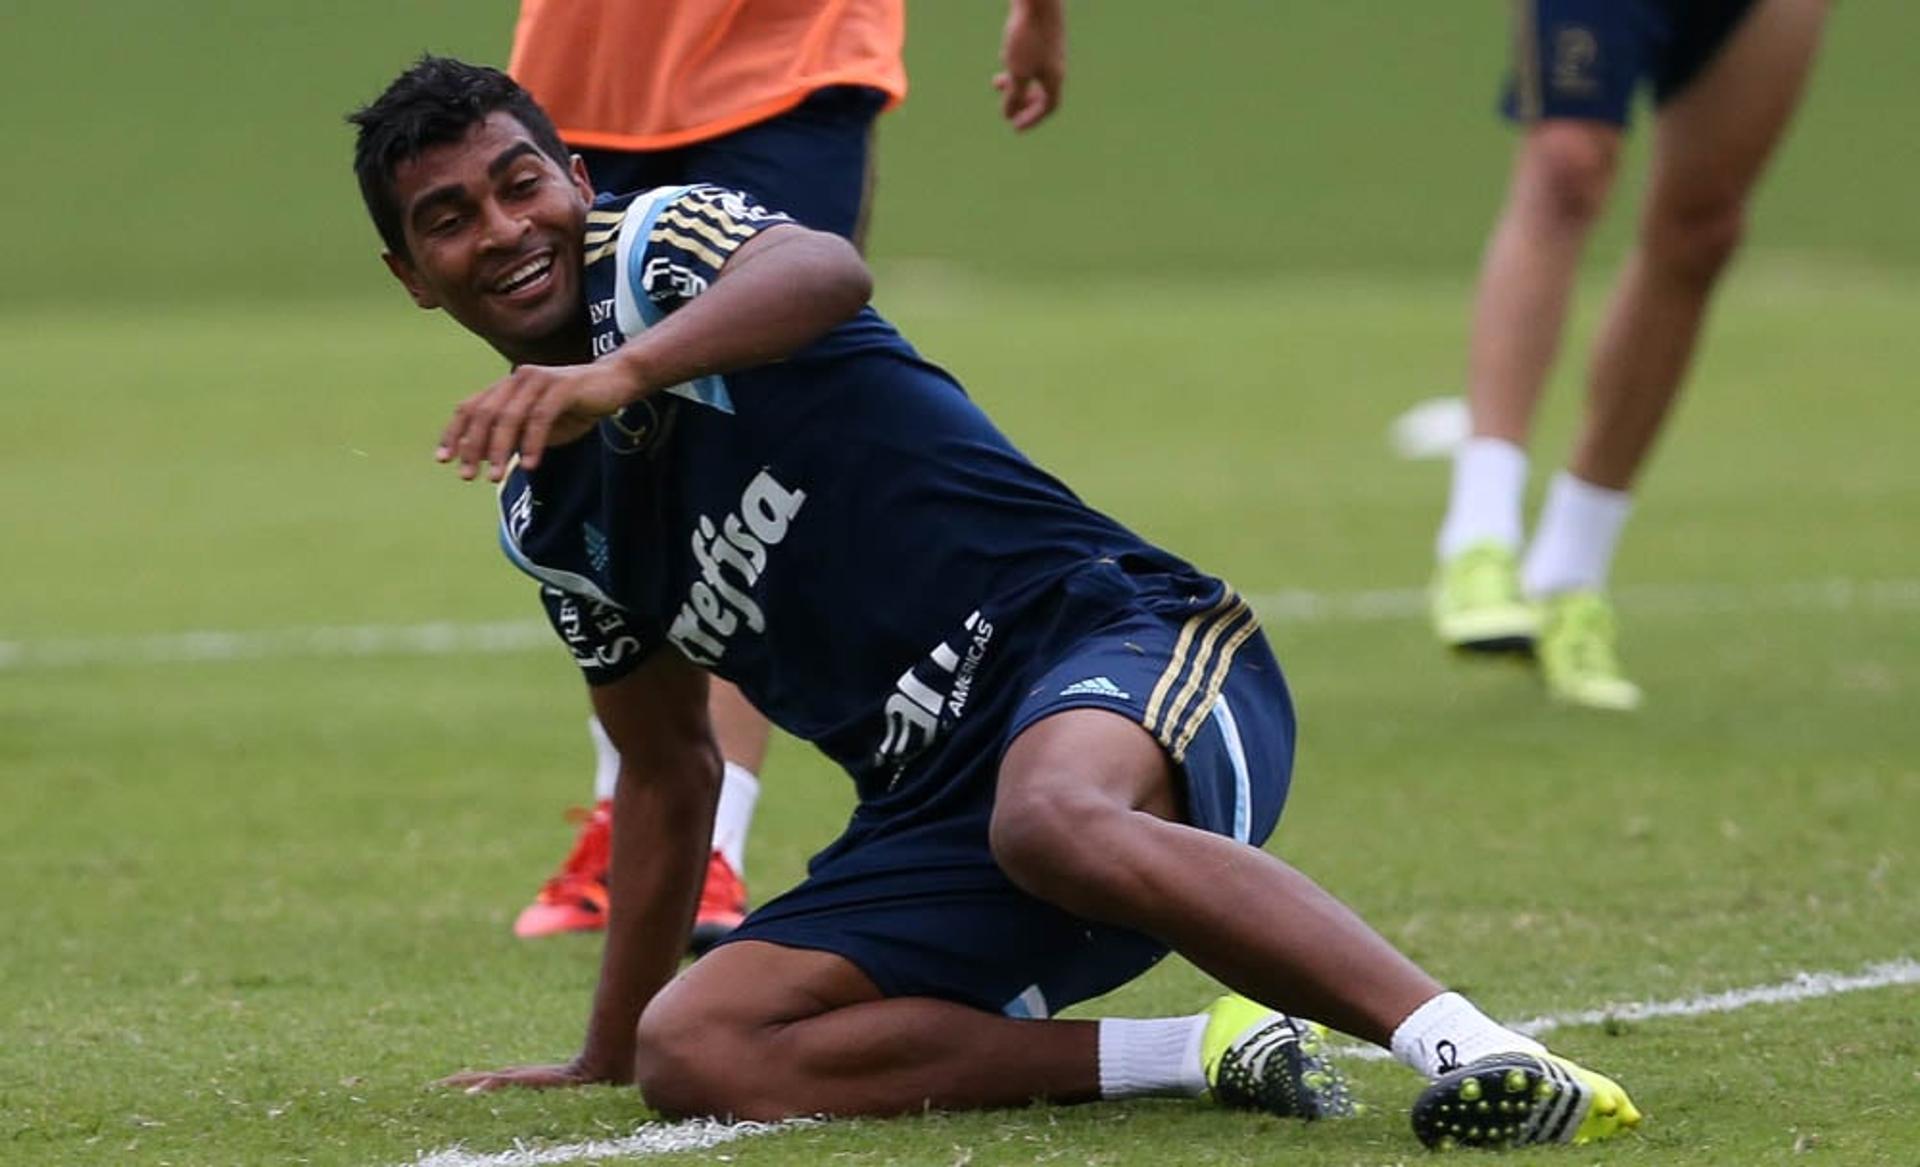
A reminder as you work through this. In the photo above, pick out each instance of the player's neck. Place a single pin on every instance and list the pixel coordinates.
(572, 345)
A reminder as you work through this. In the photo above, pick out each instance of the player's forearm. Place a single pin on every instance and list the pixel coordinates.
(780, 293)
(661, 826)
(1048, 12)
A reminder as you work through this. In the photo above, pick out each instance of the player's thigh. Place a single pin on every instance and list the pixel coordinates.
(1713, 138)
(1081, 761)
(919, 906)
(625, 171)
(812, 162)
(1187, 719)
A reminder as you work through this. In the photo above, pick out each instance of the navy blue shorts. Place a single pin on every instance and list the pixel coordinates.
(913, 897)
(1583, 59)
(811, 162)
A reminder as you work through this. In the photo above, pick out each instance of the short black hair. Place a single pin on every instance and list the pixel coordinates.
(434, 103)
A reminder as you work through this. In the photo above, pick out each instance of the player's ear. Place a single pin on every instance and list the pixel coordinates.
(577, 170)
(409, 277)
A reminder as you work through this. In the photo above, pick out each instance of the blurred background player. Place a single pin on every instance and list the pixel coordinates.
(776, 98)
(1726, 77)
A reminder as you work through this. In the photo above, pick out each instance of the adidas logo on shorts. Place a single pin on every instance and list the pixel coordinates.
(1096, 686)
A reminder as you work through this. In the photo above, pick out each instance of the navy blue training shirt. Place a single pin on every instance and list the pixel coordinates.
(843, 534)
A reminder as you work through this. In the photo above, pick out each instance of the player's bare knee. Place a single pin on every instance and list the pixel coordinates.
(678, 1064)
(1569, 169)
(1693, 243)
(1049, 842)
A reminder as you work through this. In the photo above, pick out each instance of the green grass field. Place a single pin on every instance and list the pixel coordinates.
(258, 904)
(255, 902)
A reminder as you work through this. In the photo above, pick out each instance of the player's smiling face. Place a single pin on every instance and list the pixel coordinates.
(493, 229)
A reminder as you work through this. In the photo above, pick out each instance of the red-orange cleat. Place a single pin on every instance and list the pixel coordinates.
(574, 899)
(723, 904)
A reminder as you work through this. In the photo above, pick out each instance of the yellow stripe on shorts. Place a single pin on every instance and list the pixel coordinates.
(1201, 626)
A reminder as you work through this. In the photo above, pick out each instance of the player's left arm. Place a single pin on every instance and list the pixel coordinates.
(776, 293)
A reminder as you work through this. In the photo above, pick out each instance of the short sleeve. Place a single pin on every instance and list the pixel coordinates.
(691, 237)
(605, 643)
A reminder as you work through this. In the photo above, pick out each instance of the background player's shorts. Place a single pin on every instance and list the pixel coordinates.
(912, 895)
(812, 162)
(1583, 59)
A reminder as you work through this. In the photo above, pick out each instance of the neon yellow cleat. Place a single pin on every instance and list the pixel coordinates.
(1476, 602)
(1511, 1100)
(1258, 1059)
(1577, 653)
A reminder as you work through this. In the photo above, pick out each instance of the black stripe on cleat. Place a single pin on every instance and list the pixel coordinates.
(1516, 646)
(1282, 1069)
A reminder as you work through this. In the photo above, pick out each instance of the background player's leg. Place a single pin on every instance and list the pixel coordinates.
(762, 1031)
(1561, 176)
(742, 734)
(1711, 143)
(1086, 818)
(738, 726)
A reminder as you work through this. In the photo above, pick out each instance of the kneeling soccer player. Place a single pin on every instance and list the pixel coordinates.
(1068, 744)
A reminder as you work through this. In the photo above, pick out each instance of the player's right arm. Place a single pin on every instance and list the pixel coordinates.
(670, 769)
(663, 808)
(763, 297)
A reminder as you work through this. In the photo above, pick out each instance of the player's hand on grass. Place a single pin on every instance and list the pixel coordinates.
(550, 1077)
(1033, 59)
(529, 409)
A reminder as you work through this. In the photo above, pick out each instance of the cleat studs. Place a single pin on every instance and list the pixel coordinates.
(1483, 1107)
(1545, 1090)
(1470, 1089)
(1516, 1081)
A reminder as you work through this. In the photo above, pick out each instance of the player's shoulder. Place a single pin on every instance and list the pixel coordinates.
(703, 197)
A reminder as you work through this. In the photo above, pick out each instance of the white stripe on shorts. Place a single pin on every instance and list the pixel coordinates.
(1242, 782)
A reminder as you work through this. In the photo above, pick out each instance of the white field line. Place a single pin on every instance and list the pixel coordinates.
(652, 1138)
(511, 636)
(656, 1138)
(1801, 986)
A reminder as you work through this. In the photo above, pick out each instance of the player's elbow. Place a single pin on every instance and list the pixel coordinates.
(846, 283)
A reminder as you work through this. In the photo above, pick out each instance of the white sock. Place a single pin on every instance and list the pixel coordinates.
(1449, 1031)
(739, 789)
(1160, 1055)
(1573, 544)
(1483, 504)
(606, 761)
